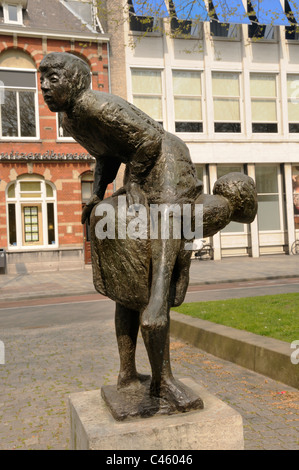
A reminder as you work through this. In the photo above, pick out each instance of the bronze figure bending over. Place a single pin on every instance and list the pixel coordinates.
(145, 277)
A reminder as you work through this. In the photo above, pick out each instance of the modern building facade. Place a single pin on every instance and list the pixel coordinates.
(228, 85)
(45, 176)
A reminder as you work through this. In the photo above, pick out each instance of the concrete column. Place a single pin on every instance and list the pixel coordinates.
(255, 251)
(289, 205)
(217, 237)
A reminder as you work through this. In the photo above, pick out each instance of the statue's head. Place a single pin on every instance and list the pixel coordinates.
(63, 78)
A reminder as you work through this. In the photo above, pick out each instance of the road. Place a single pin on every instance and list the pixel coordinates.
(62, 345)
(73, 309)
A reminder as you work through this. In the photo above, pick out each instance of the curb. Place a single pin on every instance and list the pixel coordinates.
(68, 293)
(266, 356)
(245, 279)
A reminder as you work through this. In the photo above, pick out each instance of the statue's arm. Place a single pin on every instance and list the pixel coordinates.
(105, 172)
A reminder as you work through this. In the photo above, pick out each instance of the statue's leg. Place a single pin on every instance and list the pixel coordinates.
(126, 327)
(164, 255)
(163, 384)
(181, 276)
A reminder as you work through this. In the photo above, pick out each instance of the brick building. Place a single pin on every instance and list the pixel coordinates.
(45, 176)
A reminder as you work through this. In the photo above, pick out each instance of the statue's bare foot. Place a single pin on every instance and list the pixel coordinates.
(131, 381)
(177, 394)
(154, 316)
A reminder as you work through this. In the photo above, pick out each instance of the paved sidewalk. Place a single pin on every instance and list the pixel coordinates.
(56, 283)
(47, 362)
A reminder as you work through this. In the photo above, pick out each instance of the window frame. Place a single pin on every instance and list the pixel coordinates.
(266, 98)
(280, 198)
(229, 228)
(214, 21)
(255, 22)
(19, 8)
(20, 203)
(154, 95)
(239, 97)
(19, 89)
(200, 96)
(289, 99)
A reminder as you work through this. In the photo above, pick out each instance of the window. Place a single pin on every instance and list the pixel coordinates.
(13, 13)
(263, 103)
(222, 170)
(291, 32)
(293, 102)
(226, 97)
(219, 29)
(18, 108)
(256, 30)
(62, 134)
(186, 18)
(144, 16)
(268, 197)
(147, 92)
(187, 101)
(31, 208)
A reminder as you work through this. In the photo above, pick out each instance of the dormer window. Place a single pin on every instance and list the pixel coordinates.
(13, 11)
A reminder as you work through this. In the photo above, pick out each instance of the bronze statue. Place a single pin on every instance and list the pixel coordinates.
(145, 276)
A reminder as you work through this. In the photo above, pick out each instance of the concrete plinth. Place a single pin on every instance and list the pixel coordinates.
(216, 427)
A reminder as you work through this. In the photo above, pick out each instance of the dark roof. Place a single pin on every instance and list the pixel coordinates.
(55, 16)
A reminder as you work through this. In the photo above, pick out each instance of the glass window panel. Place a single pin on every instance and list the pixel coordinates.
(30, 186)
(293, 86)
(150, 105)
(224, 170)
(221, 171)
(12, 12)
(187, 109)
(49, 190)
(234, 127)
(263, 110)
(9, 118)
(12, 224)
(226, 109)
(263, 85)
(199, 172)
(31, 225)
(233, 227)
(20, 79)
(27, 114)
(186, 83)
(11, 191)
(225, 84)
(188, 126)
(146, 81)
(268, 212)
(51, 226)
(86, 187)
(293, 109)
(30, 195)
(266, 179)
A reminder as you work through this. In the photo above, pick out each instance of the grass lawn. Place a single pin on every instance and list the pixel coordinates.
(276, 316)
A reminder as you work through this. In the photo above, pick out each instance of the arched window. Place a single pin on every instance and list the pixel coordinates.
(18, 93)
(32, 215)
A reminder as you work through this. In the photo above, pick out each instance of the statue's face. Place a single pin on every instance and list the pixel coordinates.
(56, 89)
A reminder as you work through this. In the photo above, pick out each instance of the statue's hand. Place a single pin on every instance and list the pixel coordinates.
(135, 195)
(88, 208)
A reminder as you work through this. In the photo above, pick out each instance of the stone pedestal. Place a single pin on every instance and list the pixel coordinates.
(216, 427)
